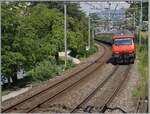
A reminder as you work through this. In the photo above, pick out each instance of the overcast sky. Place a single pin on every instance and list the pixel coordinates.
(87, 6)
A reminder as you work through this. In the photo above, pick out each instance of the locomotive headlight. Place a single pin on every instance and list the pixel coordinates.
(130, 51)
(116, 52)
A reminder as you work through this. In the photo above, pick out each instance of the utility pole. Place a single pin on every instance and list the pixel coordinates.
(65, 32)
(93, 35)
(115, 10)
(109, 16)
(141, 18)
(134, 22)
(149, 40)
(89, 38)
(92, 25)
(134, 19)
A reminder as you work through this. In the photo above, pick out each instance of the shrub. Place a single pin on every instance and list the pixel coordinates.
(91, 51)
(45, 70)
(86, 53)
(69, 64)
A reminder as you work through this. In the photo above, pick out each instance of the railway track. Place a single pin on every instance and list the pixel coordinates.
(142, 102)
(53, 105)
(116, 90)
(142, 106)
(100, 85)
(103, 106)
(32, 102)
(108, 97)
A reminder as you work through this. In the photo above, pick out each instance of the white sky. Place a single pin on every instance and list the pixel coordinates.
(86, 6)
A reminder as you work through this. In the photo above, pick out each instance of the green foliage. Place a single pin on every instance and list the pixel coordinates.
(105, 37)
(136, 92)
(34, 33)
(136, 8)
(92, 50)
(142, 55)
(11, 62)
(94, 16)
(44, 70)
(87, 53)
(70, 64)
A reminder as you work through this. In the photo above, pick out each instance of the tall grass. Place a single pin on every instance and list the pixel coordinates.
(142, 57)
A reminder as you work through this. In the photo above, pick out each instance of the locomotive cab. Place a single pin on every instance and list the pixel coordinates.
(124, 49)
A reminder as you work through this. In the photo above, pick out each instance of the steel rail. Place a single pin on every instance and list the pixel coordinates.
(92, 93)
(64, 90)
(112, 96)
(52, 86)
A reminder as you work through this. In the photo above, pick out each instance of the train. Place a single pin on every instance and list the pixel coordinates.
(123, 48)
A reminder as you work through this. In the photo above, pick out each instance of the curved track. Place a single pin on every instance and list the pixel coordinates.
(32, 102)
(101, 106)
(111, 96)
(100, 85)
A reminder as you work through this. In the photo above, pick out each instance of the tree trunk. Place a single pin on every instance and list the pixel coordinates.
(9, 83)
(14, 77)
(57, 58)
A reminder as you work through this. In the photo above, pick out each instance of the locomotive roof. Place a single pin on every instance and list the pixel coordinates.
(123, 34)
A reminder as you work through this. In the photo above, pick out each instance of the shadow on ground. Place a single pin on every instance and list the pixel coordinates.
(112, 62)
(17, 85)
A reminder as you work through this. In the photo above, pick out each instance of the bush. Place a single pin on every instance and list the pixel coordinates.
(45, 70)
(69, 64)
(86, 53)
(91, 51)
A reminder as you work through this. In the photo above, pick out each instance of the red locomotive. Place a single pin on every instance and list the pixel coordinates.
(124, 49)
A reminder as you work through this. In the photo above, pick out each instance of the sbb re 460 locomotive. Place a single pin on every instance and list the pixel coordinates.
(124, 49)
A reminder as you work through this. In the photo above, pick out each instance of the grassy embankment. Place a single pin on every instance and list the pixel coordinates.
(142, 57)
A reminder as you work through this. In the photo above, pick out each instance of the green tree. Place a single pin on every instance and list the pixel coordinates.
(11, 61)
(34, 33)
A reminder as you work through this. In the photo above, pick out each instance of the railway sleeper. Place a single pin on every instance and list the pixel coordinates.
(90, 109)
(115, 108)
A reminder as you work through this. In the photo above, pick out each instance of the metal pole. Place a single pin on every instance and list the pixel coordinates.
(93, 35)
(109, 16)
(65, 32)
(141, 18)
(89, 39)
(134, 19)
(149, 48)
(115, 10)
(134, 23)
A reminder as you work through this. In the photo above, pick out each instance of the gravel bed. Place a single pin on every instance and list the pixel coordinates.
(56, 79)
(101, 95)
(125, 99)
(70, 99)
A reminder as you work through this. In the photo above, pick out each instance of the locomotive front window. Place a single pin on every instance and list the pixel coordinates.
(126, 41)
